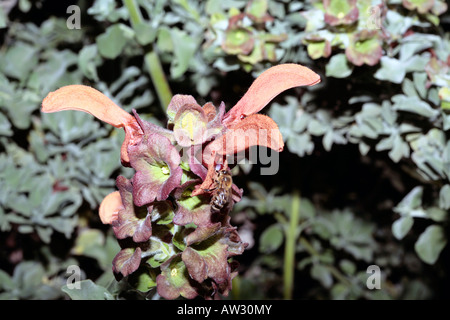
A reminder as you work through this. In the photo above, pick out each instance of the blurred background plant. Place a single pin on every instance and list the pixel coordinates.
(364, 179)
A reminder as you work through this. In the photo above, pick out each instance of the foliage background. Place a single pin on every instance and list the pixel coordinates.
(366, 166)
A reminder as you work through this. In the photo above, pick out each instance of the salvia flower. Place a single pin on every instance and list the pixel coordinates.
(365, 48)
(169, 234)
(340, 12)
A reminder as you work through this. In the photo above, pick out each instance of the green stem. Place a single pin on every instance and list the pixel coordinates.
(151, 60)
(158, 78)
(236, 288)
(289, 249)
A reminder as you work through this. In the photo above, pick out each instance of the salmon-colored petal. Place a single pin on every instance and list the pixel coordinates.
(110, 207)
(210, 111)
(267, 86)
(87, 99)
(132, 134)
(207, 182)
(254, 130)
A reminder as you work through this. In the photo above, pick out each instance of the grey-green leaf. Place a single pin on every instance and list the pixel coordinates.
(402, 226)
(338, 67)
(112, 42)
(430, 244)
(322, 274)
(87, 290)
(271, 239)
(444, 197)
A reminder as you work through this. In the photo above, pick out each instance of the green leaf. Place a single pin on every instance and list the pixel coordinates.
(87, 290)
(54, 71)
(402, 226)
(409, 88)
(144, 281)
(111, 43)
(307, 209)
(419, 79)
(90, 243)
(347, 266)
(340, 291)
(444, 96)
(5, 126)
(271, 239)
(430, 244)
(338, 67)
(411, 202)
(184, 48)
(12, 62)
(392, 70)
(399, 150)
(145, 33)
(322, 274)
(6, 283)
(444, 197)
(25, 5)
(88, 60)
(437, 214)
(300, 144)
(413, 104)
(3, 19)
(316, 128)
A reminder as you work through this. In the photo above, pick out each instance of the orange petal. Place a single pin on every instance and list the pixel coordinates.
(110, 207)
(92, 101)
(267, 86)
(254, 130)
(132, 134)
(87, 99)
(210, 111)
(209, 181)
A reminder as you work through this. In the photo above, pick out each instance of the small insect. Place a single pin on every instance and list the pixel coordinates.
(222, 194)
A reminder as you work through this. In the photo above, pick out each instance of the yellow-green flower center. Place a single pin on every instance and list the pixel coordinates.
(165, 170)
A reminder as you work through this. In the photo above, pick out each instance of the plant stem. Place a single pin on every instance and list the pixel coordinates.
(151, 60)
(289, 249)
(158, 78)
(236, 288)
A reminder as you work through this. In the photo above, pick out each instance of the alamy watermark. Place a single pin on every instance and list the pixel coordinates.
(374, 280)
(374, 19)
(74, 20)
(74, 277)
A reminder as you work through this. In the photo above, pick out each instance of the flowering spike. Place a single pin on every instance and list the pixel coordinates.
(163, 216)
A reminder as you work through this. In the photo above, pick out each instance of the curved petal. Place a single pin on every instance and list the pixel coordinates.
(190, 125)
(110, 207)
(87, 99)
(267, 86)
(178, 101)
(254, 130)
